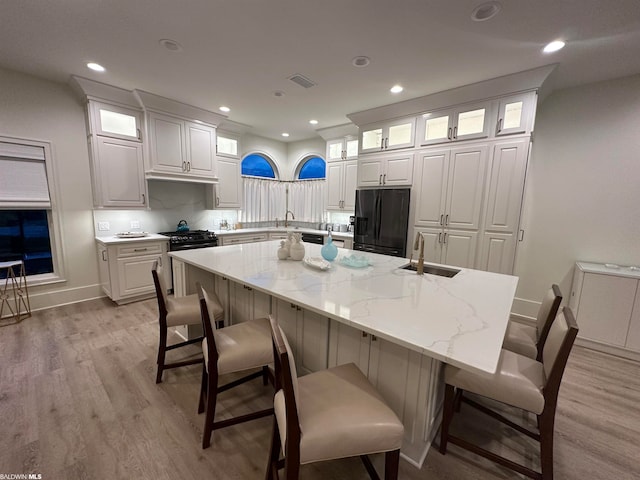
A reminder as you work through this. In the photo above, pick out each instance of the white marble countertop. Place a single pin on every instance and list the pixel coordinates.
(112, 239)
(459, 320)
(249, 231)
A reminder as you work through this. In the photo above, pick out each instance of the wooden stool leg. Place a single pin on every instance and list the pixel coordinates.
(447, 415)
(546, 422)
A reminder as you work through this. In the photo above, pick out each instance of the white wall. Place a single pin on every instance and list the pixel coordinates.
(41, 110)
(583, 187)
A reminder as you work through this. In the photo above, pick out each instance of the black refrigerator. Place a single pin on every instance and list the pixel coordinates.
(382, 219)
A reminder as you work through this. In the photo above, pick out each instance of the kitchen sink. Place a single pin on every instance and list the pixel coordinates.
(433, 270)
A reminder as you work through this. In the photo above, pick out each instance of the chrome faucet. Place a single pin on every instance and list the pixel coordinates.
(286, 217)
(419, 242)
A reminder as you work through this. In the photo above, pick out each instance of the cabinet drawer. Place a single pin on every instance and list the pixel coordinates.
(139, 249)
(236, 239)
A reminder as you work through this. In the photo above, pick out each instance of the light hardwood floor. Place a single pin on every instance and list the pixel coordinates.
(78, 401)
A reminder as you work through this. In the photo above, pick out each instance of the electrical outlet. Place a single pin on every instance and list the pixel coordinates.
(135, 224)
(103, 226)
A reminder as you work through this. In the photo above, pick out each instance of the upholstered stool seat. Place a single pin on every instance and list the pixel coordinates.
(326, 415)
(529, 340)
(522, 339)
(236, 348)
(521, 382)
(518, 381)
(172, 312)
(341, 415)
(242, 346)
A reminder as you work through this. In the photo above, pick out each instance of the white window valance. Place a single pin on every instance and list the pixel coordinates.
(23, 177)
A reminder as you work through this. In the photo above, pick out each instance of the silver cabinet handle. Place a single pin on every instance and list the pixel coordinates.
(104, 255)
(217, 201)
(188, 166)
(521, 236)
(455, 132)
(374, 338)
(160, 261)
(364, 334)
(449, 134)
(140, 249)
(386, 142)
(439, 237)
(184, 166)
(380, 180)
(384, 179)
(444, 239)
(446, 219)
(144, 199)
(441, 219)
(382, 144)
(499, 125)
(139, 134)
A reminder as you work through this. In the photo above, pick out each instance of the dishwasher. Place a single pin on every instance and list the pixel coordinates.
(313, 238)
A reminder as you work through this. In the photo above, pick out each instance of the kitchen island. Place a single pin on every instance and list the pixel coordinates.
(395, 325)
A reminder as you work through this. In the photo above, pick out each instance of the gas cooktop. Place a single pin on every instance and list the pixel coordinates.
(191, 239)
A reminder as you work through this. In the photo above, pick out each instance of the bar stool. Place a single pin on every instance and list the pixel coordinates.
(14, 292)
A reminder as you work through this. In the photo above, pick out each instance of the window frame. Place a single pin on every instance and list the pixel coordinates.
(54, 218)
(268, 158)
(303, 161)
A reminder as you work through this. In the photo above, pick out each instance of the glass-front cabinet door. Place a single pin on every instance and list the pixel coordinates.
(345, 148)
(388, 136)
(515, 114)
(116, 121)
(461, 123)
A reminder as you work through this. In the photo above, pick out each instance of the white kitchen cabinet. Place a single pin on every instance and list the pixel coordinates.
(403, 378)
(389, 135)
(516, 114)
(344, 148)
(465, 122)
(235, 239)
(451, 247)
(449, 190)
(308, 335)
(605, 302)
(503, 205)
(228, 191)
(385, 170)
(115, 121)
(117, 172)
(341, 185)
(246, 303)
(125, 268)
(181, 149)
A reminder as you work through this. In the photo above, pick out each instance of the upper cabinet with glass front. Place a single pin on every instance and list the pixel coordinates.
(227, 145)
(344, 148)
(390, 135)
(115, 121)
(459, 123)
(515, 114)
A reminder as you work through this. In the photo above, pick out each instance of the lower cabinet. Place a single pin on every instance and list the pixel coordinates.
(235, 239)
(409, 382)
(125, 269)
(246, 303)
(606, 303)
(307, 333)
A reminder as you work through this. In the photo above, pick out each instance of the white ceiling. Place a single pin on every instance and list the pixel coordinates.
(238, 52)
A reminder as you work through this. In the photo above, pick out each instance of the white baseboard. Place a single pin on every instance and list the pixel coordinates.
(59, 297)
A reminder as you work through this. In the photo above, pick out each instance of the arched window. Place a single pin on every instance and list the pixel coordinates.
(257, 165)
(312, 168)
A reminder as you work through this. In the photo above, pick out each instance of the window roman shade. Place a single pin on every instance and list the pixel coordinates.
(23, 177)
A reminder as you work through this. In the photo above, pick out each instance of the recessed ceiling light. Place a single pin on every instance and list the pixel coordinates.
(485, 11)
(285, 134)
(396, 89)
(170, 45)
(313, 122)
(360, 61)
(96, 67)
(278, 93)
(224, 109)
(553, 46)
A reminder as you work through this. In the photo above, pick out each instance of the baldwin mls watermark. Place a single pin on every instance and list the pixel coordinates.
(20, 476)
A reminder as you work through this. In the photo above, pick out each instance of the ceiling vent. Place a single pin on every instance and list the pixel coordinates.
(302, 80)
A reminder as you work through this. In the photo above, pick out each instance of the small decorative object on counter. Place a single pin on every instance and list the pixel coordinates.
(329, 251)
(283, 251)
(296, 251)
